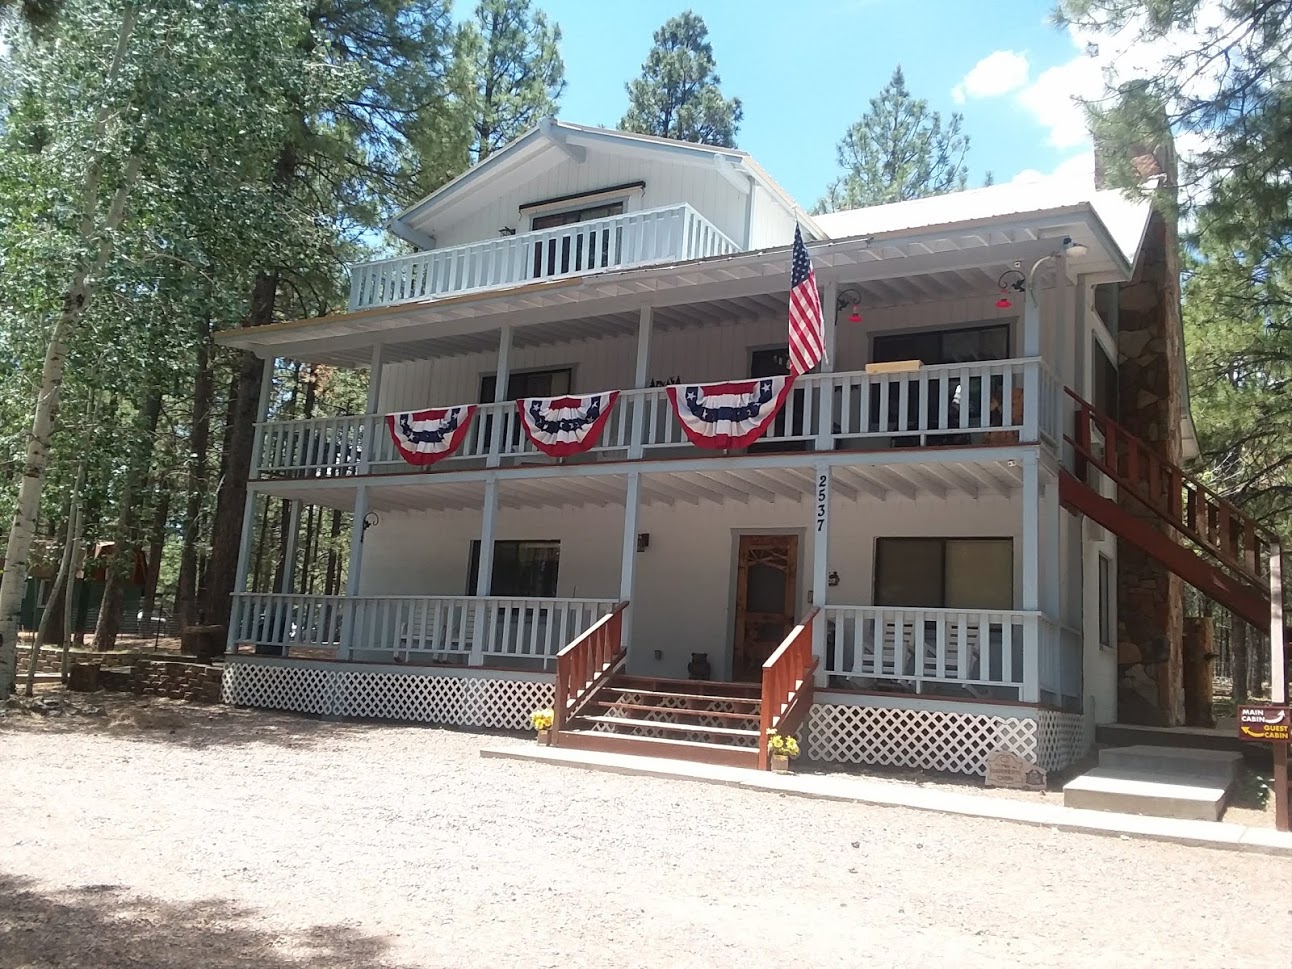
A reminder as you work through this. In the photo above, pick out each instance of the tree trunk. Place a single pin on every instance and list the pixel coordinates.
(60, 581)
(97, 235)
(127, 540)
(1238, 658)
(156, 547)
(333, 586)
(199, 443)
(78, 561)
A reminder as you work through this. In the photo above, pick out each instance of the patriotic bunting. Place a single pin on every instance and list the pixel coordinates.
(561, 426)
(728, 415)
(426, 436)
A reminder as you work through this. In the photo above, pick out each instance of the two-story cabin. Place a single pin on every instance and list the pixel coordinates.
(898, 524)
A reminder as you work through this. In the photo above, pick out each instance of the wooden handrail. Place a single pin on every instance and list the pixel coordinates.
(787, 685)
(1177, 497)
(583, 663)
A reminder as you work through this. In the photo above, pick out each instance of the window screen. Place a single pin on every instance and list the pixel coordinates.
(520, 568)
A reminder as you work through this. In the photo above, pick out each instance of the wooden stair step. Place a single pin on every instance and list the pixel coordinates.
(683, 711)
(695, 751)
(665, 725)
(611, 687)
(716, 685)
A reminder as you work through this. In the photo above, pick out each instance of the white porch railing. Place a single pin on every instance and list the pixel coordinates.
(470, 629)
(1061, 674)
(673, 233)
(986, 653)
(942, 405)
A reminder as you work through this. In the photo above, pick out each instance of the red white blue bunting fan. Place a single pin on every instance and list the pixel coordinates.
(561, 426)
(427, 436)
(728, 415)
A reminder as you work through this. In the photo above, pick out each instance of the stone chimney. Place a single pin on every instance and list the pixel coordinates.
(1150, 603)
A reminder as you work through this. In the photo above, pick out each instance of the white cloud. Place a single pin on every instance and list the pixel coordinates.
(998, 73)
(1078, 168)
(1102, 60)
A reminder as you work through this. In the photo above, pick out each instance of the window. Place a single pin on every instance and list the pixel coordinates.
(576, 251)
(522, 569)
(951, 573)
(932, 347)
(528, 383)
(1105, 602)
(571, 216)
(1104, 380)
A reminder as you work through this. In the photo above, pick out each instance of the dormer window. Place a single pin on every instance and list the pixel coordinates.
(571, 216)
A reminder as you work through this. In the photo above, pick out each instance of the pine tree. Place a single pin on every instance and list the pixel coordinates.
(510, 71)
(678, 94)
(898, 150)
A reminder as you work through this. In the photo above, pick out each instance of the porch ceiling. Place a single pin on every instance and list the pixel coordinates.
(867, 482)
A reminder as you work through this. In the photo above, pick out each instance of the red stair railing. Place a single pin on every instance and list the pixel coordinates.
(787, 686)
(585, 664)
(1193, 509)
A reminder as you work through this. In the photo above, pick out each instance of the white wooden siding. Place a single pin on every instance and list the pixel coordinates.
(685, 578)
(667, 183)
(770, 225)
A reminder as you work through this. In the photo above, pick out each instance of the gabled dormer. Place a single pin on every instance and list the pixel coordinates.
(560, 174)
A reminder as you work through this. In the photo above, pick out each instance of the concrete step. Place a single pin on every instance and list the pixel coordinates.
(1207, 768)
(1102, 790)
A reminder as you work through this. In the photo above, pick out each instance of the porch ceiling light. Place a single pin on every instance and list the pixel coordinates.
(1074, 250)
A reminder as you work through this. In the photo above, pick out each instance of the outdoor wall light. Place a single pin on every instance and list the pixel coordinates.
(370, 519)
(834, 579)
(643, 541)
(1009, 279)
(849, 297)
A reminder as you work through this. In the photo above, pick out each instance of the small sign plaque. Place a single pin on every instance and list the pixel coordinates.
(1006, 769)
(1271, 724)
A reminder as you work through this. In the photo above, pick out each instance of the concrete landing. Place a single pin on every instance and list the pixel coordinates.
(1166, 782)
(851, 788)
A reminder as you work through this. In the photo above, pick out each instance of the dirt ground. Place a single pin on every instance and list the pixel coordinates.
(156, 834)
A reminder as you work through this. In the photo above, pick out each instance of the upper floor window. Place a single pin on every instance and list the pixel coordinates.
(933, 347)
(571, 216)
(1103, 379)
(528, 383)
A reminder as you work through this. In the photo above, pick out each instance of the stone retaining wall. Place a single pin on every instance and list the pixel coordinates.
(177, 680)
(51, 658)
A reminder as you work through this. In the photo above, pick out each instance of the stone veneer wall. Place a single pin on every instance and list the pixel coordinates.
(177, 680)
(1151, 404)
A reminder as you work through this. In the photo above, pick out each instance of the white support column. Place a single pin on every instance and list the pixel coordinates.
(645, 324)
(628, 557)
(262, 412)
(244, 560)
(1031, 374)
(820, 564)
(1031, 505)
(825, 401)
(289, 558)
(372, 426)
(501, 379)
(353, 573)
(484, 569)
(1050, 550)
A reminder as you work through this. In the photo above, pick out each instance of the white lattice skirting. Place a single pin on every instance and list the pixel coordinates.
(943, 740)
(467, 699)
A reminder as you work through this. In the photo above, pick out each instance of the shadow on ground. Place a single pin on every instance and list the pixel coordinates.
(105, 927)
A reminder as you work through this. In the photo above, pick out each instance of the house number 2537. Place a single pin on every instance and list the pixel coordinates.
(822, 501)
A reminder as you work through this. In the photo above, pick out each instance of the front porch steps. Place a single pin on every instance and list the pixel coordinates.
(1167, 782)
(696, 720)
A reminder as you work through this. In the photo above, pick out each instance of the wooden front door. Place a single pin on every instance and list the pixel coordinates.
(766, 572)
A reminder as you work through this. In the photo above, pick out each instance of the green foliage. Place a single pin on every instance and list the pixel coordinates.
(898, 150)
(678, 94)
(510, 71)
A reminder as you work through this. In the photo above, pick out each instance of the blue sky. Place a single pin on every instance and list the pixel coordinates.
(807, 70)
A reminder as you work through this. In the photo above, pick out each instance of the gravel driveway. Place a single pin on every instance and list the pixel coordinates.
(160, 835)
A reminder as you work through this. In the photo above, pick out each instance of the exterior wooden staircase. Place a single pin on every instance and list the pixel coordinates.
(1225, 554)
(601, 708)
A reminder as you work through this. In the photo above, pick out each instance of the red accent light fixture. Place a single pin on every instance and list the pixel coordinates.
(855, 315)
(1003, 303)
(852, 299)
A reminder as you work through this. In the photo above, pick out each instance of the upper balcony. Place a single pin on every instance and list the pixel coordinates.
(674, 233)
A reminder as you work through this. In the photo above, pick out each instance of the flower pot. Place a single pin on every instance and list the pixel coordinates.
(543, 737)
(780, 764)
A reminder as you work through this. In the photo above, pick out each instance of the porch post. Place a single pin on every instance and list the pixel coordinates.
(500, 382)
(289, 559)
(262, 412)
(820, 565)
(1052, 562)
(1031, 374)
(372, 427)
(244, 563)
(1031, 692)
(484, 570)
(645, 323)
(825, 390)
(628, 557)
(353, 571)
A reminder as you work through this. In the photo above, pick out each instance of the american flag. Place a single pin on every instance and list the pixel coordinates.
(807, 325)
